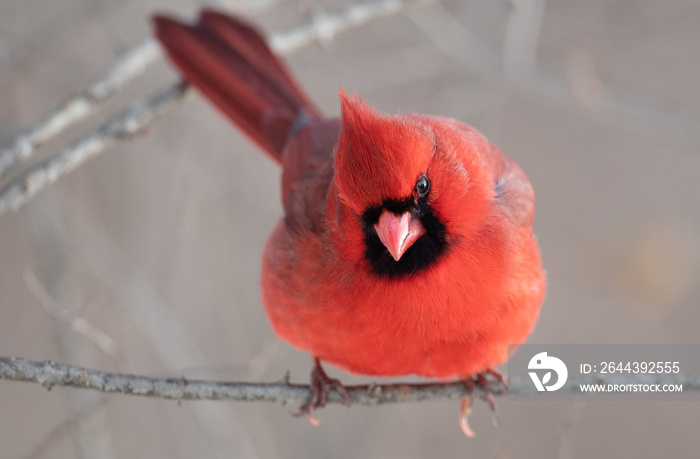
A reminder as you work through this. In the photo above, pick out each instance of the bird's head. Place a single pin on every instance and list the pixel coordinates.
(411, 190)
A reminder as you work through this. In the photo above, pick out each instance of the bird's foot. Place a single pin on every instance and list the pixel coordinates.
(498, 376)
(321, 384)
(481, 380)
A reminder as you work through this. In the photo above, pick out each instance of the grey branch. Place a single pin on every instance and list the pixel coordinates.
(125, 67)
(324, 26)
(51, 374)
(127, 123)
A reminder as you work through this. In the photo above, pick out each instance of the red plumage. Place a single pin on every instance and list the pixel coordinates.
(406, 246)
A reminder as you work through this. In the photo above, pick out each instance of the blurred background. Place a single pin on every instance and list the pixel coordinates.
(147, 258)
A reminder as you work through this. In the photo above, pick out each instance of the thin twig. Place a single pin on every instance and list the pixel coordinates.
(321, 27)
(51, 374)
(124, 124)
(124, 68)
(75, 322)
(64, 428)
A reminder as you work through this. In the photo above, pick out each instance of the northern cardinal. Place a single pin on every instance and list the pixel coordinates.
(406, 245)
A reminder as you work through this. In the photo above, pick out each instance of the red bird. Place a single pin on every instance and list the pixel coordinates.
(406, 245)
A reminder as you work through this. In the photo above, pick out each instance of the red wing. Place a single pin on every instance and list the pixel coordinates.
(514, 192)
(307, 173)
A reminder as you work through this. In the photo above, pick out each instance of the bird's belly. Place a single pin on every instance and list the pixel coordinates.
(440, 327)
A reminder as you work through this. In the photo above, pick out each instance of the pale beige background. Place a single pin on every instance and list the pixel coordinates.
(157, 242)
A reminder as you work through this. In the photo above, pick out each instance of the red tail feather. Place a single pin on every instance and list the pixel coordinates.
(230, 63)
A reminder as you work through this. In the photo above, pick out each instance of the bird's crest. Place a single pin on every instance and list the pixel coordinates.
(378, 156)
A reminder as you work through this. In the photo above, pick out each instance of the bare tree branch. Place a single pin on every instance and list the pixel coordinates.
(323, 27)
(125, 67)
(75, 322)
(124, 124)
(51, 374)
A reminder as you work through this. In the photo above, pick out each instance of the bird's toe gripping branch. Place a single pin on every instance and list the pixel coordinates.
(321, 384)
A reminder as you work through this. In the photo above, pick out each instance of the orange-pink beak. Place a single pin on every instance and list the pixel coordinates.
(398, 232)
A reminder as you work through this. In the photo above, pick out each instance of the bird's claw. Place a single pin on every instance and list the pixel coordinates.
(498, 376)
(465, 409)
(321, 384)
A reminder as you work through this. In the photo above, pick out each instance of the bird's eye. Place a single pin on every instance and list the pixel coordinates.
(422, 185)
